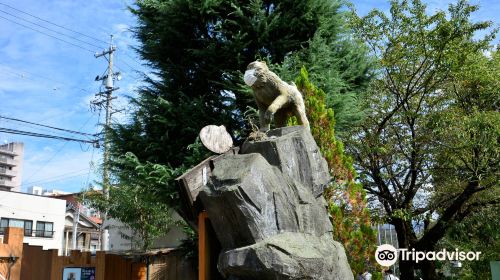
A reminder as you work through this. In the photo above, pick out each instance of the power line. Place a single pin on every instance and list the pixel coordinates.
(91, 163)
(129, 56)
(41, 135)
(122, 60)
(18, 75)
(18, 71)
(55, 24)
(49, 29)
(59, 177)
(48, 126)
(57, 152)
(57, 38)
(30, 127)
(24, 74)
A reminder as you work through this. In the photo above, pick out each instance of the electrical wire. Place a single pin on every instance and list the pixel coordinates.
(59, 150)
(17, 75)
(68, 29)
(57, 38)
(91, 163)
(129, 56)
(55, 24)
(59, 177)
(34, 134)
(32, 128)
(22, 72)
(52, 30)
(128, 65)
(48, 126)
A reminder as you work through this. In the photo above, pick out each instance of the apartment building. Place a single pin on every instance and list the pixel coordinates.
(11, 165)
(41, 217)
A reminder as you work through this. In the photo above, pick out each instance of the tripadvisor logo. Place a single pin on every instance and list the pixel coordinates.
(387, 255)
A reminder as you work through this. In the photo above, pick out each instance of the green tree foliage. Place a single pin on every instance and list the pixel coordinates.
(144, 198)
(135, 202)
(478, 232)
(468, 132)
(423, 157)
(346, 199)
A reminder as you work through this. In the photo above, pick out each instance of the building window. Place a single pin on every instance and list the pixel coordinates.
(28, 228)
(26, 224)
(4, 223)
(44, 229)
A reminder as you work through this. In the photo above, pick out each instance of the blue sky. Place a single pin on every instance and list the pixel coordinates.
(48, 81)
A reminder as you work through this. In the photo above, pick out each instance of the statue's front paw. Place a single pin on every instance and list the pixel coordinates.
(257, 136)
(268, 116)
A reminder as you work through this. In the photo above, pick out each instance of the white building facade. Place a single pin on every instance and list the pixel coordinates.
(43, 218)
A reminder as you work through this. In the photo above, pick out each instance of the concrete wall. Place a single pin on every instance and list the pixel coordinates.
(22, 206)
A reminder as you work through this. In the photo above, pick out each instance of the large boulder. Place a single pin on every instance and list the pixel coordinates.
(288, 255)
(268, 213)
(293, 150)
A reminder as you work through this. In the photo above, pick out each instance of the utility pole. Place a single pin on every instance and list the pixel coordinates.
(103, 99)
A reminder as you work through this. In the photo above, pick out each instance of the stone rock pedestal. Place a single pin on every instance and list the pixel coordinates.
(266, 207)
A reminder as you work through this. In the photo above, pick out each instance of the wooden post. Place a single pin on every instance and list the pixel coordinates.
(100, 268)
(203, 247)
(56, 268)
(12, 247)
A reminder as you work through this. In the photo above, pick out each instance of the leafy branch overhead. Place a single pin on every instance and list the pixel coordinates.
(428, 152)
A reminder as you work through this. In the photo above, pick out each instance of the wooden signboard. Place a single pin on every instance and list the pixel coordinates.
(190, 185)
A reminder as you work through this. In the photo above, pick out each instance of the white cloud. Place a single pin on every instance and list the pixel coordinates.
(121, 27)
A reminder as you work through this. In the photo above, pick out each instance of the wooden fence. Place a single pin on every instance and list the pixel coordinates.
(47, 265)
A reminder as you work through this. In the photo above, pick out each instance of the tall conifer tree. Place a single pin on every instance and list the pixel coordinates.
(199, 49)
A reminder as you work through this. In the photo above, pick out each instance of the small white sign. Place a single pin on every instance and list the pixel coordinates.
(72, 273)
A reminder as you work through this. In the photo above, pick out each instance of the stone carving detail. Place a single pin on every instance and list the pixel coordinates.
(216, 138)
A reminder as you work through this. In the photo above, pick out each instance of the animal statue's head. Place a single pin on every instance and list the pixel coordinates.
(255, 72)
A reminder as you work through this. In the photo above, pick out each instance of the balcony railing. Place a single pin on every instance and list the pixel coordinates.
(6, 172)
(44, 233)
(7, 151)
(27, 232)
(5, 183)
(7, 161)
